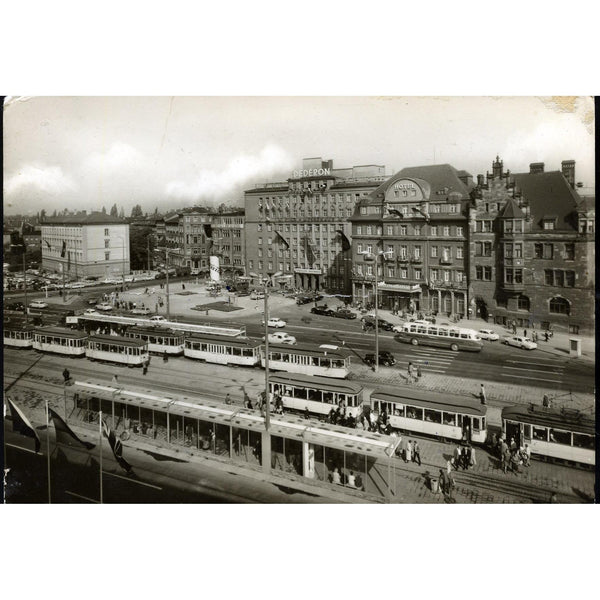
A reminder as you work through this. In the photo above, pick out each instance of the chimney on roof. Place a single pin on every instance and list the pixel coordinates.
(480, 181)
(568, 170)
(535, 168)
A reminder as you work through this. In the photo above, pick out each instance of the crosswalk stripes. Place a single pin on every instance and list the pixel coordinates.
(526, 369)
(431, 361)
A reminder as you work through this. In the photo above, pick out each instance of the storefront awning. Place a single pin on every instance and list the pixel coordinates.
(406, 288)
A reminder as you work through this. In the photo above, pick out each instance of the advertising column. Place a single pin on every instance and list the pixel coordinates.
(215, 270)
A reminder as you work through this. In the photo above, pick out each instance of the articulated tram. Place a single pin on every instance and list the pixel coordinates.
(444, 416)
(317, 394)
(551, 433)
(18, 337)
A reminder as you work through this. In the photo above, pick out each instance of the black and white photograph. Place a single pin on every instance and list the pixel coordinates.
(299, 300)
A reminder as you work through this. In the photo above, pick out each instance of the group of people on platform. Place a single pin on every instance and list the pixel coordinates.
(512, 456)
(464, 457)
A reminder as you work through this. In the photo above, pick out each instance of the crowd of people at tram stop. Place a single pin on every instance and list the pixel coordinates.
(512, 456)
(548, 333)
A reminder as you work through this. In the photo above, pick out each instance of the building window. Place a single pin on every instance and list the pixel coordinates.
(460, 276)
(559, 278)
(446, 231)
(570, 278)
(446, 275)
(483, 248)
(107, 256)
(560, 306)
(404, 273)
(569, 251)
(251, 264)
(369, 230)
(434, 274)
(418, 273)
(549, 224)
(391, 272)
(363, 210)
(106, 232)
(479, 273)
(433, 230)
(434, 251)
(417, 229)
(417, 251)
(106, 243)
(487, 273)
(358, 230)
(549, 276)
(403, 251)
(459, 252)
(359, 248)
(369, 269)
(390, 230)
(403, 230)
(260, 240)
(523, 303)
(459, 231)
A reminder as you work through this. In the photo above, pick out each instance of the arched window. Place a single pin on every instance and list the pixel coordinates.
(523, 303)
(560, 306)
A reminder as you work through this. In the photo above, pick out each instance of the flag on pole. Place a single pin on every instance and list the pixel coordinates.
(345, 241)
(65, 435)
(279, 238)
(310, 255)
(48, 244)
(22, 424)
(117, 447)
(69, 260)
(64, 249)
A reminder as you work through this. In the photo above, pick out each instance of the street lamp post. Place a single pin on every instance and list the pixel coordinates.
(370, 257)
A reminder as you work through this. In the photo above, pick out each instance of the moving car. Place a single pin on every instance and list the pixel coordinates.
(104, 306)
(275, 322)
(141, 311)
(281, 337)
(519, 342)
(385, 358)
(488, 334)
(38, 304)
(344, 313)
(158, 319)
(322, 310)
(309, 298)
(385, 325)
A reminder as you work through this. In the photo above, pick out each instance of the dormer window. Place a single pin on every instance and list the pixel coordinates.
(549, 223)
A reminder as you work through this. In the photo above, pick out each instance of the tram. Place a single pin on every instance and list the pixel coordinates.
(159, 340)
(114, 348)
(317, 394)
(455, 338)
(551, 433)
(308, 359)
(18, 337)
(446, 416)
(60, 341)
(223, 350)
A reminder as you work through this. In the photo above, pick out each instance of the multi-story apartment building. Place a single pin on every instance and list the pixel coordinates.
(299, 228)
(94, 245)
(532, 248)
(415, 224)
(228, 236)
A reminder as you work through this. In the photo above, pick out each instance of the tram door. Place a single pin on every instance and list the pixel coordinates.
(513, 430)
(467, 428)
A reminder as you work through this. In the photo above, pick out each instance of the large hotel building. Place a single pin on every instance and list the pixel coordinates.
(298, 229)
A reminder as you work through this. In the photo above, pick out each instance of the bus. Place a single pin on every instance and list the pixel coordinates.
(446, 416)
(442, 336)
(317, 394)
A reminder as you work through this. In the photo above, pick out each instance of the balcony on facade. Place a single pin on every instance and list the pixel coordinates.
(512, 287)
(446, 260)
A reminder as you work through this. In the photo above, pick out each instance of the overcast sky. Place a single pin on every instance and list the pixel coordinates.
(172, 152)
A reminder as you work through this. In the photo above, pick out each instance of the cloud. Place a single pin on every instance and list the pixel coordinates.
(118, 156)
(240, 170)
(50, 180)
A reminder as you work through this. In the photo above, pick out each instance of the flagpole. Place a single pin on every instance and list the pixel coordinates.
(48, 451)
(100, 446)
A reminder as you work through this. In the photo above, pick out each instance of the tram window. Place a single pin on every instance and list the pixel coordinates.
(540, 433)
(314, 361)
(228, 350)
(337, 364)
(236, 351)
(328, 397)
(527, 431)
(482, 422)
(449, 419)
(325, 362)
(299, 393)
(314, 394)
(276, 356)
(433, 416)
(398, 410)
(476, 424)
(414, 413)
(582, 440)
(204, 347)
(557, 436)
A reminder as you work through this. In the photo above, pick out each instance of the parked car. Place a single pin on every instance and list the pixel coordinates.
(385, 358)
(105, 306)
(17, 306)
(385, 325)
(488, 334)
(322, 310)
(344, 313)
(158, 319)
(275, 322)
(309, 298)
(93, 301)
(90, 311)
(281, 337)
(241, 293)
(519, 342)
(38, 304)
(141, 311)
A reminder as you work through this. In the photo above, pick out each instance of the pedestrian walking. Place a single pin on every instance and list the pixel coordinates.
(482, 395)
(410, 372)
(409, 451)
(416, 453)
(419, 372)
(457, 457)
(66, 374)
(227, 399)
(183, 286)
(546, 336)
(466, 456)
(524, 332)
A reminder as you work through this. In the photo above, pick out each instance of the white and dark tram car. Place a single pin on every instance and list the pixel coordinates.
(60, 340)
(223, 350)
(444, 416)
(18, 337)
(114, 348)
(558, 434)
(160, 340)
